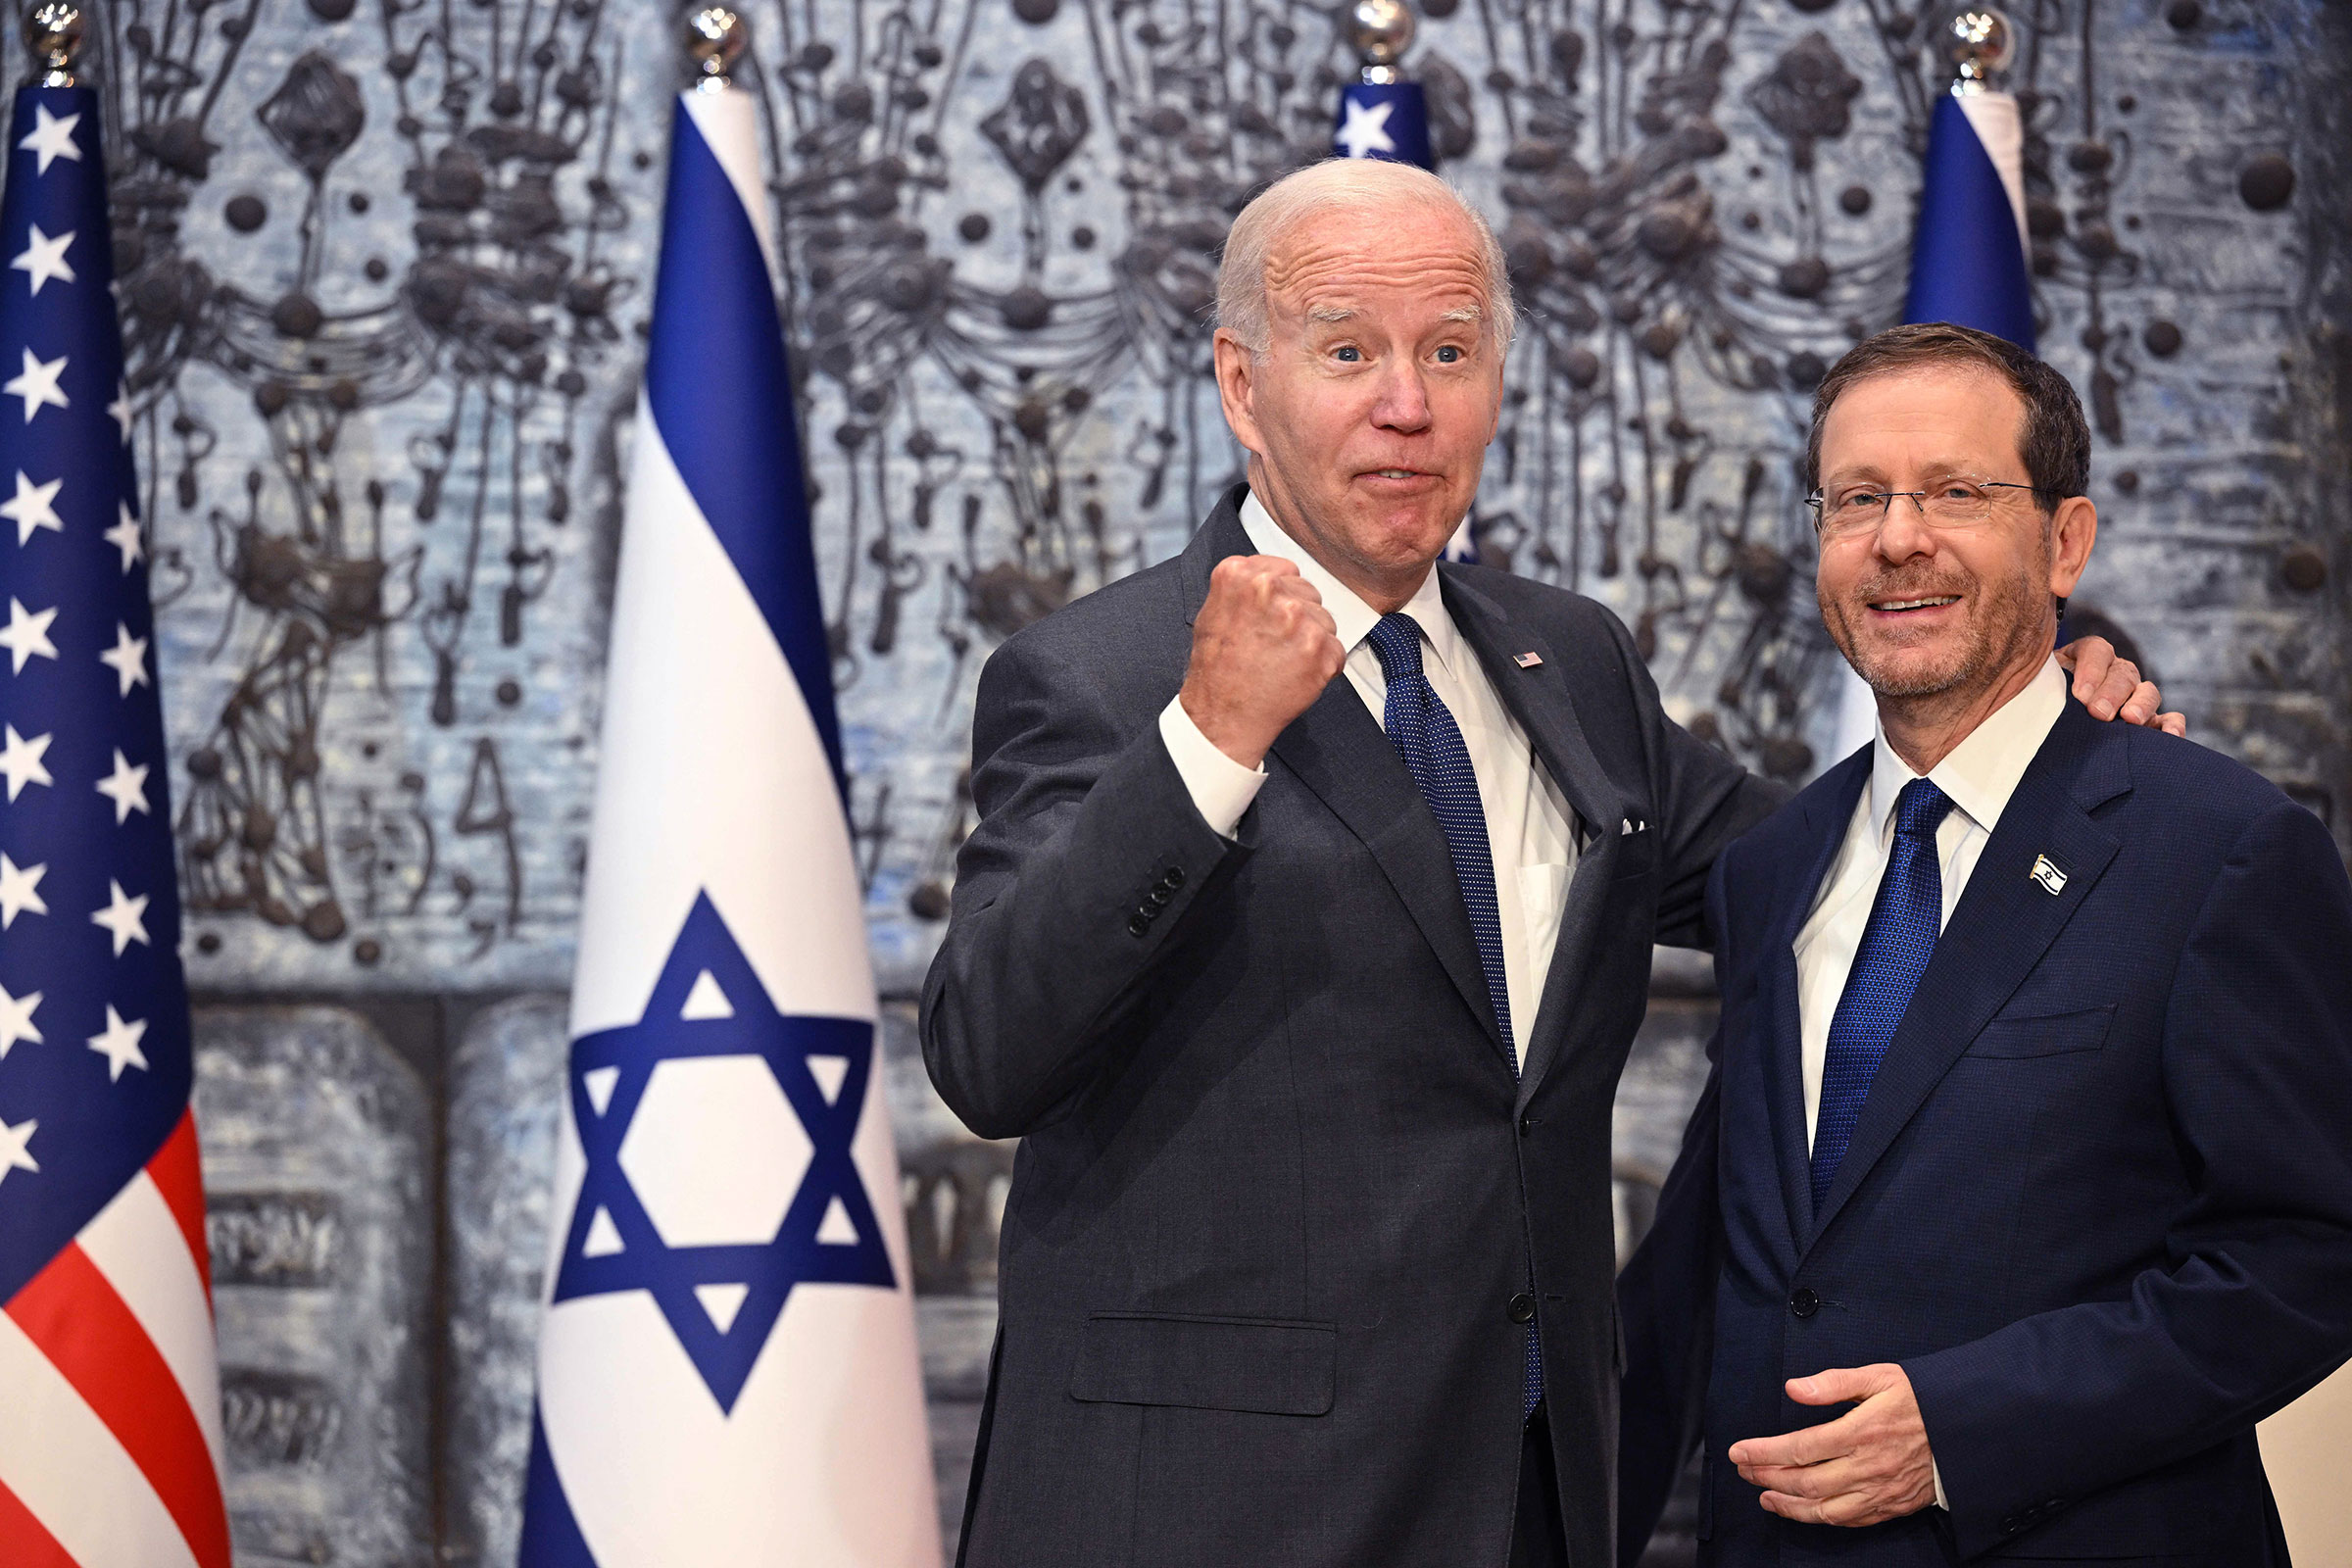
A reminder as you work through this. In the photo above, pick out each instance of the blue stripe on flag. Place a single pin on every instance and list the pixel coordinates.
(718, 389)
(551, 1536)
(1968, 263)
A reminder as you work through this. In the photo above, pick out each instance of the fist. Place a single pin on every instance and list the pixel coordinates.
(1263, 649)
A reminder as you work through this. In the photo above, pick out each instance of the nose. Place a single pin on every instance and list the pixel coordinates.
(1403, 402)
(1904, 533)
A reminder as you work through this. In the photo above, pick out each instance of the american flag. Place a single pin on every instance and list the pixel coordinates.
(110, 1403)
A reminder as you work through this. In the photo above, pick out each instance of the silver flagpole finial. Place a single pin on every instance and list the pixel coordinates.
(53, 33)
(1381, 30)
(716, 38)
(1979, 44)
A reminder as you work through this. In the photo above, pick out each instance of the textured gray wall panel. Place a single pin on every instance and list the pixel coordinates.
(317, 1150)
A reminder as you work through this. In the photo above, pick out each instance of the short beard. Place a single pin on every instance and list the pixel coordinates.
(2008, 612)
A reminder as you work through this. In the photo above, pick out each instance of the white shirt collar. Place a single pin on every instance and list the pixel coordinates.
(1983, 771)
(1348, 611)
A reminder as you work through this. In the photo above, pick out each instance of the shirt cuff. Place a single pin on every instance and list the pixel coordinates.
(1221, 788)
(1936, 1470)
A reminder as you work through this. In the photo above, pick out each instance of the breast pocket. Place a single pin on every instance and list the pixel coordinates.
(2054, 1035)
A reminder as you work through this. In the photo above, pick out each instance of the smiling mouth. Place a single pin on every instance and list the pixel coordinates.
(1902, 606)
(1397, 473)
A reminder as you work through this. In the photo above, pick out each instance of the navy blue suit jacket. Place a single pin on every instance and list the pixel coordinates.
(2098, 1204)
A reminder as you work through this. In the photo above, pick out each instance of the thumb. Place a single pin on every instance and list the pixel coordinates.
(1840, 1384)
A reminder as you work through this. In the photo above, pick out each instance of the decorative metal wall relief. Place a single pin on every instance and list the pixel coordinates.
(316, 1143)
(385, 260)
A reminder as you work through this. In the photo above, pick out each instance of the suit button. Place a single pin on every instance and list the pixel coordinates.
(1136, 925)
(1172, 878)
(1158, 897)
(1527, 1124)
(1522, 1308)
(1804, 1303)
(2011, 1525)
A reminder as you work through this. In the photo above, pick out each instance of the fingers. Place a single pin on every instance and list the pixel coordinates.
(1811, 1446)
(2106, 683)
(2140, 706)
(1843, 1384)
(2173, 725)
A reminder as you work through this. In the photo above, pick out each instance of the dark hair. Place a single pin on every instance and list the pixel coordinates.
(2055, 443)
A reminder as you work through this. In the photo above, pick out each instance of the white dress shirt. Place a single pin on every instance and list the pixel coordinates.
(1980, 775)
(1531, 832)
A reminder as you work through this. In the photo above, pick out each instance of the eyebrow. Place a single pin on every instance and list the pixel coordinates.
(1464, 312)
(1329, 313)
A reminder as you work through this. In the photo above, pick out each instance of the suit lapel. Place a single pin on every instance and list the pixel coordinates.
(2003, 924)
(1828, 815)
(1538, 696)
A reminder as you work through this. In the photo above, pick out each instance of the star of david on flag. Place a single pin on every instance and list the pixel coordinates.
(111, 1442)
(714, 1056)
(727, 1361)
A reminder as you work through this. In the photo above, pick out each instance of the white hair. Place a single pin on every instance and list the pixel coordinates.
(1344, 184)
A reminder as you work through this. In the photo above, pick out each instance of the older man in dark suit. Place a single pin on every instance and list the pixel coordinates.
(1303, 934)
(2023, 1187)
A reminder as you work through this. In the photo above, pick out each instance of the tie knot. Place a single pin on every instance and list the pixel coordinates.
(1919, 809)
(1396, 641)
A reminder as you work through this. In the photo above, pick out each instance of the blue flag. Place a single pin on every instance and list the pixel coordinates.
(1382, 119)
(111, 1440)
(1968, 261)
(727, 1361)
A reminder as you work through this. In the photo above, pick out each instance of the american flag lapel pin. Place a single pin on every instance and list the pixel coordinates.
(1527, 660)
(2046, 872)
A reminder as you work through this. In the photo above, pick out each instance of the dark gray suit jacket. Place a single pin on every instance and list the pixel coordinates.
(1278, 1186)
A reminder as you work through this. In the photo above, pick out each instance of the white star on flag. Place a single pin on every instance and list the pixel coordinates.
(20, 761)
(127, 787)
(120, 410)
(33, 507)
(124, 536)
(119, 1044)
(37, 386)
(18, 895)
(1366, 131)
(13, 1141)
(46, 258)
(52, 138)
(125, 917)
(16, 1020)
(28, 635)
(128, 659)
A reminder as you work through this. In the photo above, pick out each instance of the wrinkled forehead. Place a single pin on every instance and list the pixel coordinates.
(1339, 257)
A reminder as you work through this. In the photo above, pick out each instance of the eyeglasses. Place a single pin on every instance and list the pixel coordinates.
(1960, 500)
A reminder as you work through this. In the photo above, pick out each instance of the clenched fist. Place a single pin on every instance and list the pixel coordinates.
(1263, 649)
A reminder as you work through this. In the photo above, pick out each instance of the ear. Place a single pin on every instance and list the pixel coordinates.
(1237, 389)
(2072, 528)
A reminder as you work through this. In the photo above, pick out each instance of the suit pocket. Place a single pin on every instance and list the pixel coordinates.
(1269, 1367)
(2007, 1038)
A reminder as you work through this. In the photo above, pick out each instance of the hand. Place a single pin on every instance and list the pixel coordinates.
(1263, 649)
(1870, 1465)
(2111, 687)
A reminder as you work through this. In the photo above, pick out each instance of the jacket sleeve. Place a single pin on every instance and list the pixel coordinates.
(1705, 801)
(1666, 1302)
(1078, 880)
(2254, 1303)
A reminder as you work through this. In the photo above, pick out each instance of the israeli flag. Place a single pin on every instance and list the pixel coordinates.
(1968, 267)
(727, 1365)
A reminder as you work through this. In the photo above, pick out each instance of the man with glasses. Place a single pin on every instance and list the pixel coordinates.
(2022, 1184)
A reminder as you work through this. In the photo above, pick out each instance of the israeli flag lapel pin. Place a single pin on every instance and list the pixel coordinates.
(2046, 872)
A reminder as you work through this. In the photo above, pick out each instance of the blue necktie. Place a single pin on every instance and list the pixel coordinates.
(1896, 944)
(1426, 736)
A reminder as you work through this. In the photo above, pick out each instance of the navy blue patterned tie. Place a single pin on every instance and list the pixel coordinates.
(1904, 920)
(1426, 736)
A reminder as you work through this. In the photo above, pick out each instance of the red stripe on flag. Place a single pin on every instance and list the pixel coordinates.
(78, 1321)
(180, 1177)
(23, 1543)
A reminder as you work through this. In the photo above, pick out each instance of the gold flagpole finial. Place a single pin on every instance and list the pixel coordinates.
(1979, 44)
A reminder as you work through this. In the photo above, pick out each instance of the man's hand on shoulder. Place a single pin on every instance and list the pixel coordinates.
(2111, 687)
(1263, 649)
(1870, 1465)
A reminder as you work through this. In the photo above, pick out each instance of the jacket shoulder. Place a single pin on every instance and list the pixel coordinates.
(2198, 789)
